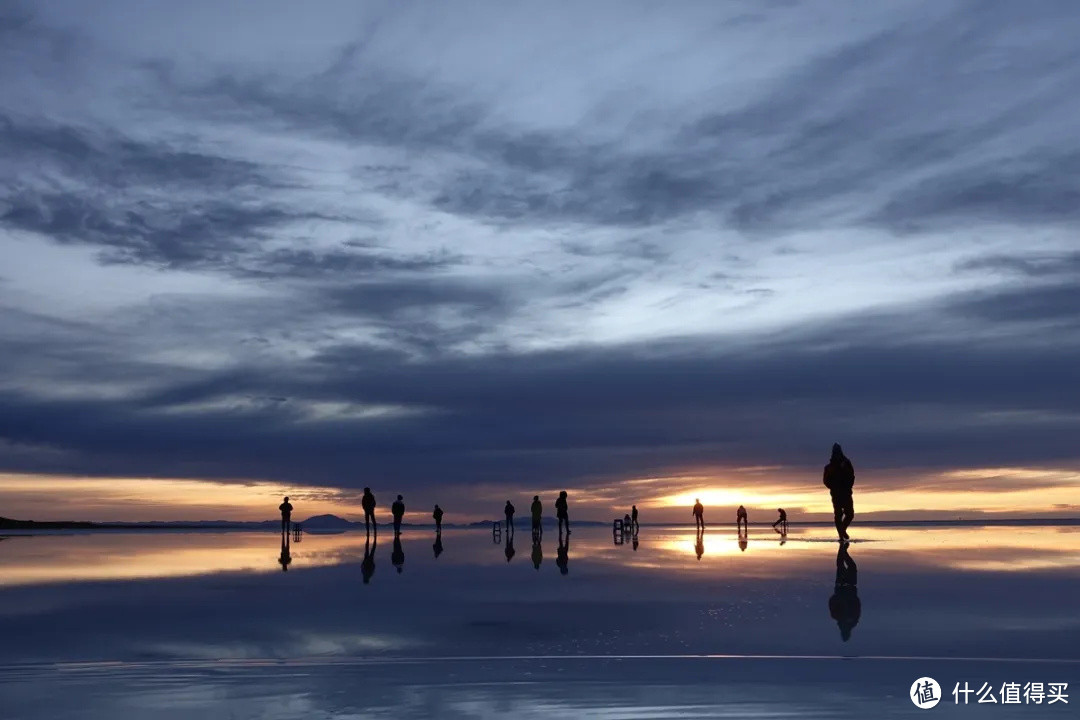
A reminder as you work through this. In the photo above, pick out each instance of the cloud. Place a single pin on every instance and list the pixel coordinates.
(716, 240)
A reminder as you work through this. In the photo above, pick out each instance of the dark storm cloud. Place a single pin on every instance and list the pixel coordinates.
(209, 234)
(942, 122)
(1066, 264)
(577, 413)
(104, 157)
(1051, 303)
(806, 148)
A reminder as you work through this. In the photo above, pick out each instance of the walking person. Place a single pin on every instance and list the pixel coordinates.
(397, 509)
(699, 515)
(633, 520)
(286, 516)
(562, 513)
(839, 477)
(781, 521)
(368, 503)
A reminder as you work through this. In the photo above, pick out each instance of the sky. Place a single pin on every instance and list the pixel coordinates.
(494, 249)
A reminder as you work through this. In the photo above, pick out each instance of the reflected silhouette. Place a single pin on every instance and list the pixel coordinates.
(742, 542)
(699, 548)
(635, 543)
(368, 503)
(367, 567)
(286, 556)
(844, 605)
(537, 553)
(509, 547)
(437, 547)
(562, 557)
(397, 556)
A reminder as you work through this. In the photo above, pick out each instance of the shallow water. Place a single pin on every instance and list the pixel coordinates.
(206, 624)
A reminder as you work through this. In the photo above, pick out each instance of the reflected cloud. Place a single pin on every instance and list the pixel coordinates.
(103, 556)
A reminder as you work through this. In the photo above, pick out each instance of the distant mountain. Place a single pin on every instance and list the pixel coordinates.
(327, 522)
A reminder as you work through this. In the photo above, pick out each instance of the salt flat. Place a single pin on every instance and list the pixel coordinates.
(207, 624)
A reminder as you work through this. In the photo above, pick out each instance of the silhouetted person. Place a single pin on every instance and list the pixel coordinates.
(844, 605)
(740, 519)
(368, 503)
(562, 557)
(508, 511)
(367, 568)
(562, 512)
(437, 547)
(286, 556)
(509, 547)
(781, 522)
(397, 557)
(839, 477)
(286, 515)
(537, 512)
(699, 515)
(437, 514)
(537, 552)
(699, 548)
(397, 509)
(627, 527)
(633, 520)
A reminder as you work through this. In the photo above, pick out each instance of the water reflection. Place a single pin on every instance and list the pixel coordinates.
(537, 552)
(562, 558)
(285, 558)
(41, 559)
(367, 567)
(397, 557)
(844, 605)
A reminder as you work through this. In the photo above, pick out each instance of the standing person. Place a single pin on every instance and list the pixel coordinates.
(782, 522)
(368, 503)
(286, 516)
(437, 514)
(633, 519)
(741, 520)
(699, 515)
(839, 477)
(562, 513)
(398, 511)
(537, 511)
(509, 512)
